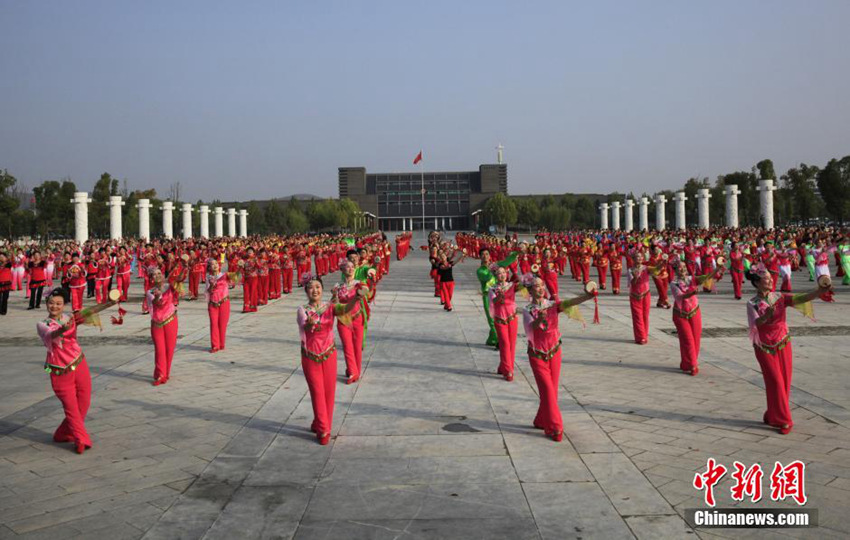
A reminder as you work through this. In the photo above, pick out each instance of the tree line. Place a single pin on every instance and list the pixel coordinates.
(51, 212)
(805, 193)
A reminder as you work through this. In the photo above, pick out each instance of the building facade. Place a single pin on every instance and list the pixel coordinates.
(453, 200)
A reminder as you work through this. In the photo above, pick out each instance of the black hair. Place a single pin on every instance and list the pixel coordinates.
(753, 278)
(351, 252)
(65, 294)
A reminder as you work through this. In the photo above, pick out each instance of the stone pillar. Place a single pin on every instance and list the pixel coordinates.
(231, 222)
(81, 216)
(243, 223)
(703, 195)
(732, 193)
(603, 215)
(205, 221)
(167, 229)
(643, 214)
(680, 199)
(615, 215)
(660, 212)
(629, 216)
(144, 219)
(115, 203)
(766, 189)
(219, 221)
(187, 220)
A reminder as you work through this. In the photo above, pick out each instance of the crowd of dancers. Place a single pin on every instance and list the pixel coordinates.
(680, 264)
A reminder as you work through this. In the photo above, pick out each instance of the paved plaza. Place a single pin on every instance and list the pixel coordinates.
(431, 443)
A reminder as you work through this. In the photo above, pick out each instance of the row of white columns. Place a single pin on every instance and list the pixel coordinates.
(81, 201)
(765, 189)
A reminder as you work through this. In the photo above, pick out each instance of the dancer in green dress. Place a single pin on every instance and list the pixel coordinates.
(487, 280)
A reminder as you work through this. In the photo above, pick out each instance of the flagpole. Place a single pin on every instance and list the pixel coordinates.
(422, 171)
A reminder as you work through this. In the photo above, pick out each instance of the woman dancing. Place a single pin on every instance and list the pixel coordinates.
(218, 305)
(540, 319)
(66, 364)
(766, 313)
(162, 298)
(318, 352)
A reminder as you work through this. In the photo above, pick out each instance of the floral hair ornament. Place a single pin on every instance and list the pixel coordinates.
(760, 270)
(306, 279)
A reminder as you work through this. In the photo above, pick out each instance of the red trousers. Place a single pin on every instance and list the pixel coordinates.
(352, 345)
(436, 277)
(321, 380)
(551, 281)
(737, 282)
(603, 273)
(507, 345)
(548, 377)
(776, 370)
(219, 316)
(287, 280)
(74, 391)
(194, 282)
(661, 286)
(689, 332)
(249, 293)
(615, 279)
(101, 290)
(274, 283)
(640, 317)
(77, 298)
(123, 285)
(263, 290)
(585, 272)
(574, 270)
(447, 291)
(164, 343)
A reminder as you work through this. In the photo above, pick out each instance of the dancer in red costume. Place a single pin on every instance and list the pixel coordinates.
(351, 329)
(504, 313)
(161, 298)
(766, 313)
(66, 363)
(318, 352)
(540, 319)
(218, 305)
(639, 299)
(687, 317)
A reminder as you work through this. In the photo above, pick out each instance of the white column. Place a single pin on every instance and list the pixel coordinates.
(144, 219)
(219, 221)
(660, 212)
(766, 189)
(703, 195)
(450, 224)
(403, 224)
(167, 229)
(732, 193)
(680, 199)
(231, 222)
(435, 224)
(187, 220)
(243, 223)
(629, 215)
(643, 214)
(115, 203)
(615, 215)
(205, 221)
(603, 215)
(81, 216)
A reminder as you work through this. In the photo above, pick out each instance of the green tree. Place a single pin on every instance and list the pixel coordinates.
(55, 211)
(800, 182)
(8, 202)
(348, 211)
(765, 169)
(274, 217)
(105, 187)
(834, 185)
(256, 219)
(585, 212)
(501, 210)
(528, 213)
(555, 218)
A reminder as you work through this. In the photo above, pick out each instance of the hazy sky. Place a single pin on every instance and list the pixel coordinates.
(243, 100)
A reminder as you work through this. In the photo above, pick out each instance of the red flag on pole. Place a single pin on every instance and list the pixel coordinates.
(418, 158)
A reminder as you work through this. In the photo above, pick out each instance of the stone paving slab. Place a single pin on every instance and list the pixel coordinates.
(431, 443)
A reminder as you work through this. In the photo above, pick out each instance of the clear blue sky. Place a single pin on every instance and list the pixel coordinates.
(243, 100)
